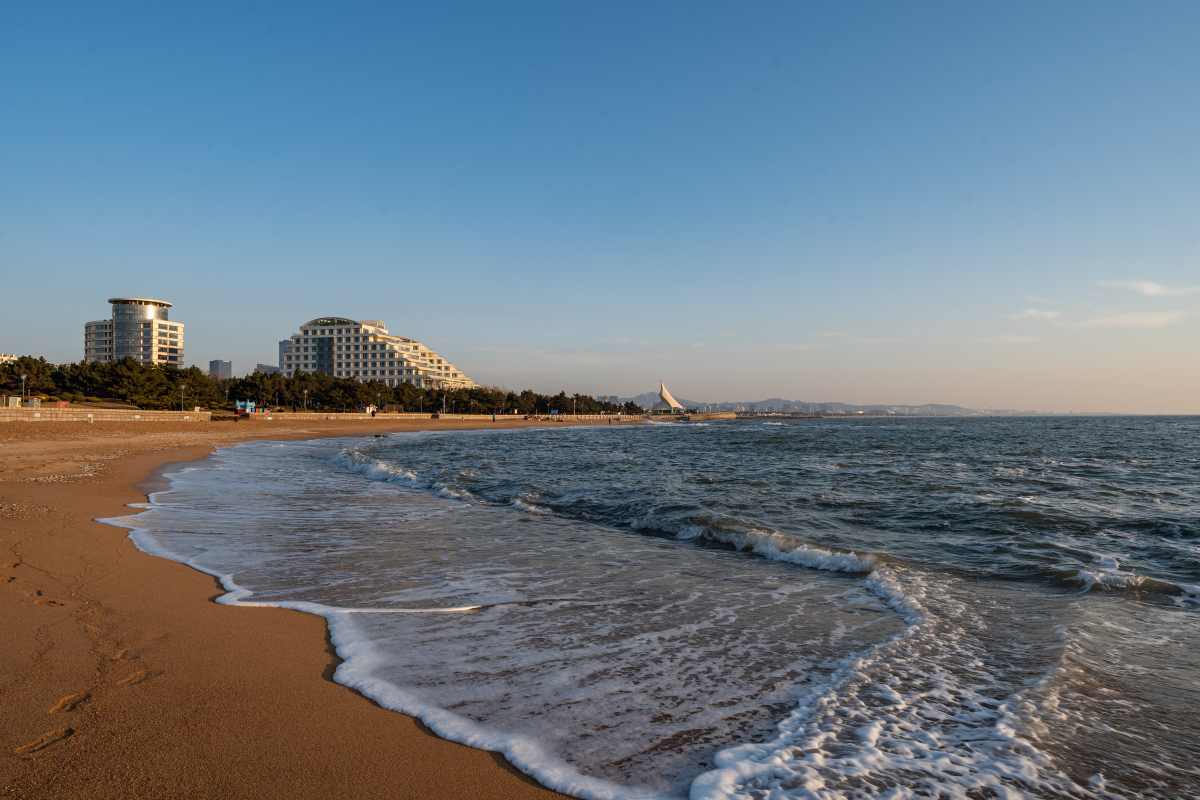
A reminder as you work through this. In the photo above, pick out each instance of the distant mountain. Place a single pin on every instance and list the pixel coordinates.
(649, 399)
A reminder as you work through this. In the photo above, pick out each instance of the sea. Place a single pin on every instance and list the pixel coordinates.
(967, 608)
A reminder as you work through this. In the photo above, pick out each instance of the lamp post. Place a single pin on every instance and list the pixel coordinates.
(24, 399)
(306, 401)
(182, 386)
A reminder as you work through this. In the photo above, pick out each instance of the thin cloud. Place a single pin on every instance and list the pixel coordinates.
(1148, 319)
(1036, 313)
(1011, 339)
(1150, 289)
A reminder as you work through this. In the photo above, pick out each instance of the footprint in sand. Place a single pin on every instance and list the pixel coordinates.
(139, 677)
(14, 564)
(69, 702)
(7, 579)
(34, 593)
(43, 741)
(128, 654)
(48, 603)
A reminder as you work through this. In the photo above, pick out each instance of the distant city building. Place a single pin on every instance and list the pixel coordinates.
(6, 358)
(220, 370)
(268, 369)
(365, 351)
(140, 329)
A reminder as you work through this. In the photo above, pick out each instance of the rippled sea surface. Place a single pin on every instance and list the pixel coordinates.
(958, 608)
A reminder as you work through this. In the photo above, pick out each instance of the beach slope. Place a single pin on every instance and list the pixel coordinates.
(120, 677)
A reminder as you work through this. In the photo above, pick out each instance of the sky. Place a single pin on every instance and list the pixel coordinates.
(993, 205)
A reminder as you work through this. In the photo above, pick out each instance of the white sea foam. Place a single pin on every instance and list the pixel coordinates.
(528, 507)
(900, 721)
(377, 470)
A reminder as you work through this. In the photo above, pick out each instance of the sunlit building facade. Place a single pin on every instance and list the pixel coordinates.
(365, 351)
(139, 328)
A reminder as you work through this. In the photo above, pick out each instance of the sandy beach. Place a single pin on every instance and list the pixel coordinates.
(120, 677)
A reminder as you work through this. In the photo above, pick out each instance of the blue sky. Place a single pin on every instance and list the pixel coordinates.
(987, 204)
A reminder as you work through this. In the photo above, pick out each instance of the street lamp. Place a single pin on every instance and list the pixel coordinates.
(23, 397)
(306, 401)
(182, 386)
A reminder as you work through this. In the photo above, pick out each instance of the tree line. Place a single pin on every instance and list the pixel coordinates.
(155, 386)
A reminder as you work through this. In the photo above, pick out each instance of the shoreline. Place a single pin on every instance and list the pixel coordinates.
(121, 676)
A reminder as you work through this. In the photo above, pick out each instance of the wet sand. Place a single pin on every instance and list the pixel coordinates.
(120, 677)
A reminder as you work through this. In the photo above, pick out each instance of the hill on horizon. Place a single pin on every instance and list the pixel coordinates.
(648, 399)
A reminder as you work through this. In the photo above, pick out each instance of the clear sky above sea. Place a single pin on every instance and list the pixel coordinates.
(984, 204)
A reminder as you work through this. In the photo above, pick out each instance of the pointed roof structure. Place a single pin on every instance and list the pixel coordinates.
(665, 397)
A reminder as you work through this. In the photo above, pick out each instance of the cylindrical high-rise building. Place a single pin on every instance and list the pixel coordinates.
(140, 329)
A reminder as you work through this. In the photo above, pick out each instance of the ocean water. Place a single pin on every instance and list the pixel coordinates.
(932, 608)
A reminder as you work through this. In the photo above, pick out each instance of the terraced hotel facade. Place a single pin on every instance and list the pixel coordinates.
(365, 351)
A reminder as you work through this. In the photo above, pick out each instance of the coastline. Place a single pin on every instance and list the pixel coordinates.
(120, 677)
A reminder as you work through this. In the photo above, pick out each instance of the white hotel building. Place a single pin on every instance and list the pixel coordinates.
(365, 351)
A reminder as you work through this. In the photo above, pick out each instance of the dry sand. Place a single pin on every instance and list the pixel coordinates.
(121, 678)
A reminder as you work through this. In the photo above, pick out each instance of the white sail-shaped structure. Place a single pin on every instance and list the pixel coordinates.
(665, 397)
